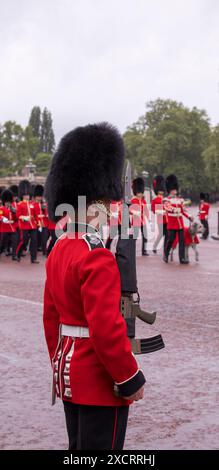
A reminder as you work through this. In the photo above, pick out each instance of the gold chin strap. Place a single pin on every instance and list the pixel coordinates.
(102, 208)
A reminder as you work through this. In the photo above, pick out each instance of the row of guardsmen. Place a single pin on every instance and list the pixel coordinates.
(24, 222)
(24, 218)
(169, 210)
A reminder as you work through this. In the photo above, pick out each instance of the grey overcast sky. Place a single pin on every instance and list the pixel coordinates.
(92, 60)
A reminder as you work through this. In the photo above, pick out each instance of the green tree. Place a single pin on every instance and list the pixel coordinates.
(211, 160)
(42, 162)
(35, 121)
(32, 142)
(170, 138)
(47, 139)
(14, 152)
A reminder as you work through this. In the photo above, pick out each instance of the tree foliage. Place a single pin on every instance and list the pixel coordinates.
(171, 138)
(18, 144)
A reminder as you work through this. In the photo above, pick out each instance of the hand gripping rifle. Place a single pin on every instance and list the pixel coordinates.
(126, 260)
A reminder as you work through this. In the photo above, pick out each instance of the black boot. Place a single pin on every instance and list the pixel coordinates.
(16, 258)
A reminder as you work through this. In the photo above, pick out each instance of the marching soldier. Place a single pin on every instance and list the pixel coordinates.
(51, 227)
(41, 217)
(139, 212)
(85, 332)
(174, 207)
(157, 208)
(204, 208)
(8, 224)
(115, 222)
(26, 215)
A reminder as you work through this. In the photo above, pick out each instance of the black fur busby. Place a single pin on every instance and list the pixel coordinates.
(159, 184)
(88, 162)
(6, 196)
(202, 196)
(14, 189)
(172, 183)
(38, 190)
(24, 189)
(138, 185)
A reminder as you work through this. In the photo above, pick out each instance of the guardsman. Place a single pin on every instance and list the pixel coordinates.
(51, 227)
(204, 208)
(27, 221)
(157, 208)
(85, 332)
(8, 224)
(174, 207)
(41, 217)
(115, 222)
(139, 212)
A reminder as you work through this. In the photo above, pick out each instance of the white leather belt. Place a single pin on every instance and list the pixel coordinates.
(74, 331)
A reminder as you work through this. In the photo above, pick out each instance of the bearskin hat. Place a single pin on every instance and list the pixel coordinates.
(159, 184)
(202, 196)
(6, 196)
(88, 162)
(38, 190)
(172, 183)
(14, 189)
(24, 188)
(138, 185)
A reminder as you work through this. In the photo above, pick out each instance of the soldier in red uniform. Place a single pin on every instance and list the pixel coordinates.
(27, 220)
(8, 224)
(41, 217)
(174, 207)
(139, 212)
(204, 208)
(115, 222)
(157, 208)
(94, 370)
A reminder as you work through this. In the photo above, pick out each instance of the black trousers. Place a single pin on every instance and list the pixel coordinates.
(206, 229)
(44, 239)
(114, 231)
(162, 232)
(171, 238)
(25, 236)
(96, 427)
(53, 239)
(144, 236)
(8, 240)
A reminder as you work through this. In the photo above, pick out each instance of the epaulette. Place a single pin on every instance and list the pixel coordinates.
(93, 241)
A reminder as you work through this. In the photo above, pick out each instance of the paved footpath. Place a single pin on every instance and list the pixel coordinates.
(180, 407)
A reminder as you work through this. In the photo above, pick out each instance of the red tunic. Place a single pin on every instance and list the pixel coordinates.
(174, 207)
(26, 209)
(116, 213)
(83, 289)
(7, 226)
(157, 208)
(40, 215)
(204, 210)
(14, 214)
(139, 211)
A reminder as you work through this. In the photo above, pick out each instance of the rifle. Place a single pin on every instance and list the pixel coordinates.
(126, 260)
